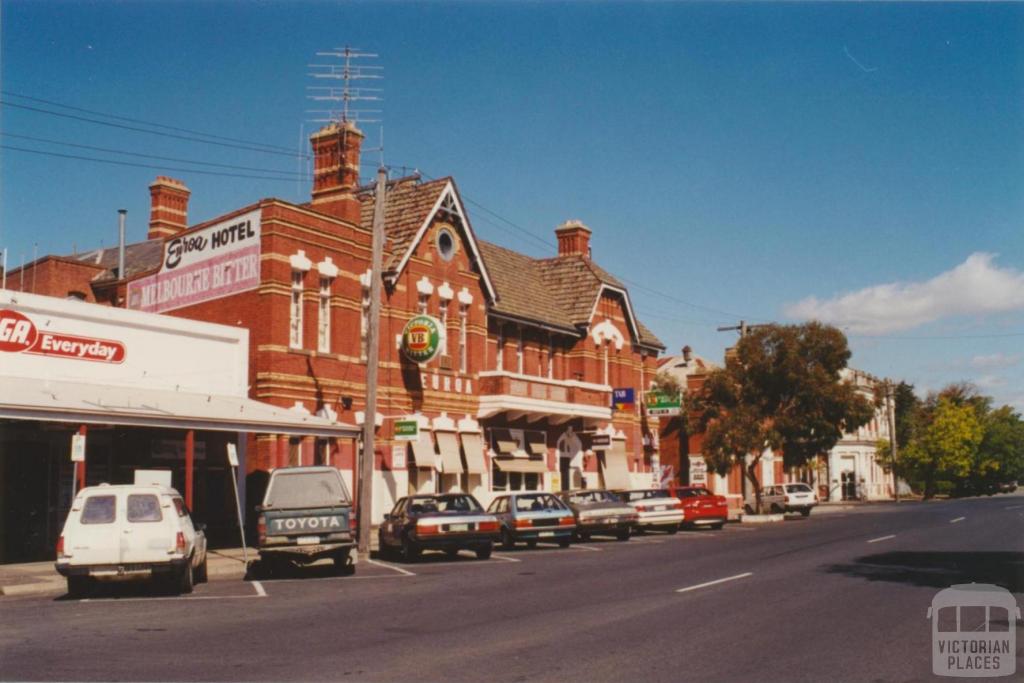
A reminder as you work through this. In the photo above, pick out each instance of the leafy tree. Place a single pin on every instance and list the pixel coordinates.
(1001, 453)
(781, 389)
(946, 445)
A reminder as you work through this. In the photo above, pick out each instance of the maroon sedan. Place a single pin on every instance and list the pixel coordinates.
(701, 507)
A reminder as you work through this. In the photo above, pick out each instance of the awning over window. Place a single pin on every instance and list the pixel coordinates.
(521, 465)
(24, 398)
(448, 445)
(536, 442)
(423, 450)
(506, 445)
(614, 466)
(473, 446)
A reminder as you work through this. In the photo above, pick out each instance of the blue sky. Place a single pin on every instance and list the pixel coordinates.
(860, 163)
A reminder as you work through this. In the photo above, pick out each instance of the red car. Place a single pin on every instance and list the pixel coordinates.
(701, 507)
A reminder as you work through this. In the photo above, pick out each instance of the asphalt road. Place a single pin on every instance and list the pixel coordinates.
(838, 596)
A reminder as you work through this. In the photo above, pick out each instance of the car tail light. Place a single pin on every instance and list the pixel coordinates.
(60, 547)
(566, 521)
(353, 520)
(261, 529)
(427, 529)
(520, 523)
(488, 526)
(179, 543)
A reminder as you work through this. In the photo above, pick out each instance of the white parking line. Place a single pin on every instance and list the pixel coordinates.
(882, 538)
(712, 583)
(390, 566)
(259, 589)
(585, 547)
(958, 519)
(1014, 507)
(652, 541)
(505, 557)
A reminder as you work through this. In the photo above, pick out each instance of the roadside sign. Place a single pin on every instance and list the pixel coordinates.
(407, 430)
(663, 405)
(623, 398)
(398, 457)
(600, 441)
(698, 471)
(78, 448)
(232, 455)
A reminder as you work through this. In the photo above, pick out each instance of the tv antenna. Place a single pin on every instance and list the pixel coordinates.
(338, 81)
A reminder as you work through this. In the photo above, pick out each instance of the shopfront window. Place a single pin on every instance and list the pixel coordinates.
(295, 316)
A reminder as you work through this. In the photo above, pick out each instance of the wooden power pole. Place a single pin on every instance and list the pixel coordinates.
(367, 458)
(890, 393)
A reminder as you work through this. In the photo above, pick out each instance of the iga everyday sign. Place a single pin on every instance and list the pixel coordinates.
(202, 265)
(18, 334)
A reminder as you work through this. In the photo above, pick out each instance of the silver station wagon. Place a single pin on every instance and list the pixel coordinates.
(533, 517)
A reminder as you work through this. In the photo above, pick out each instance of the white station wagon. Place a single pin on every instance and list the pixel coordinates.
(131, 531)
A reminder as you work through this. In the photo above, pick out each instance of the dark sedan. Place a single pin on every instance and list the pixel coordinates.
(449, 522)
(533, 517)
(600, 512)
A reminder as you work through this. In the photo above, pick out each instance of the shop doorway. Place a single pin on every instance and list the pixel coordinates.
(570, 456)
(849, 485)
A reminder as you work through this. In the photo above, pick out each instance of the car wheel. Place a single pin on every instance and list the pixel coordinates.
(343, 566)
(451, 552)
(672, 529)
(718, 526)
(484, 551)
(583, 535)
(622, 534)
(806, 512)
(748, 509)
(563, 542)
(78, 586)
(186, 580)
(410, 551)
(507, 542)
(531, 544)
(201, 575)
(776, 509)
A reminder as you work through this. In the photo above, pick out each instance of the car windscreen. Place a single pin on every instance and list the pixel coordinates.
(693, 493)
(594, 497)
(458, 504)
(541, 501)
(798, 488)
(99, 510)
(144, 507)
(306, 489)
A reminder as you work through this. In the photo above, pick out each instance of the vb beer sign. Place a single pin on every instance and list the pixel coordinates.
(421, 338)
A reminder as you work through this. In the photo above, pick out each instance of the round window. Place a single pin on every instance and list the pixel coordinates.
(445, 244)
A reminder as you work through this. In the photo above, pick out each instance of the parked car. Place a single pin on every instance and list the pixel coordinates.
(798, 498)
(600, 512)
(128, 532)
(701, 507)
(533, 517)
(772, 500)
(1007, 486)
(655, 509)
(450, 522)
(305, 516)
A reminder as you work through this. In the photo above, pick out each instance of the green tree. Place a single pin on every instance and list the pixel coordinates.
(781, 389)
(1001, 453)
(946, 445)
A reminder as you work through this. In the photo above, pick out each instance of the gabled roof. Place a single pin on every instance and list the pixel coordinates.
(138, 258)
(411, 207)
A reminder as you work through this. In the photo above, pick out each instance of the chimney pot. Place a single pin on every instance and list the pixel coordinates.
(573, 239)
(336, 149)
(168, 213)
(687, 353)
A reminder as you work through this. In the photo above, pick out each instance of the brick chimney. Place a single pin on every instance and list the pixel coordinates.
(336, 170)
(168, 213)
(573, 238)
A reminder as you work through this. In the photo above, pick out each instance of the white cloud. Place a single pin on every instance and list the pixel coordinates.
(996, 361)
(974, 287)
(988, 382)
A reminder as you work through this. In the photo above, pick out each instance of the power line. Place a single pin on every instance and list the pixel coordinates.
(153, 156)
(154, 166)
(147, 123)
(885, 337)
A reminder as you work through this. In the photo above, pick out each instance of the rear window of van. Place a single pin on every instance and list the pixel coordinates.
(99, 510)
(144, 507)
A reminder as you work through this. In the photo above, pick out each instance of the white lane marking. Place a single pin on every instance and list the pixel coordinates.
(179, 598)
(259, 589)
(958, 519)
(390, 566)
(738, 528)
(1014, 507)
(712, 583)
(585, 547)
(882, 538)
(505, 557)
(653, 541)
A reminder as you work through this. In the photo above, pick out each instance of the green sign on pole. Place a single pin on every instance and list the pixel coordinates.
(407, 430)
(421, 338)
(663, 405)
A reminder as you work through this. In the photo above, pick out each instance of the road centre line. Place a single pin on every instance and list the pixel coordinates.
(958, 519)
(882, 538)
(400, 570)
(1014, 507)
(712, 583)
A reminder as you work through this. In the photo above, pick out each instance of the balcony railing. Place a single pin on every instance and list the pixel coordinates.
(544, 389)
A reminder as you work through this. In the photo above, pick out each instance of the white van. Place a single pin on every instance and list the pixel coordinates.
(131, 532)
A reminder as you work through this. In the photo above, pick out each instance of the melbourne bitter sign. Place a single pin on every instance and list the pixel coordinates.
(421, 338)
(202, 265)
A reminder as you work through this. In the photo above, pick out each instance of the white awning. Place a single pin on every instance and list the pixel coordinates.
(506, 445)
(24, 398)
(473, 446)
(521, 465)
(614, 466)
(537, 444)
(448, 445)
(423, 450)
